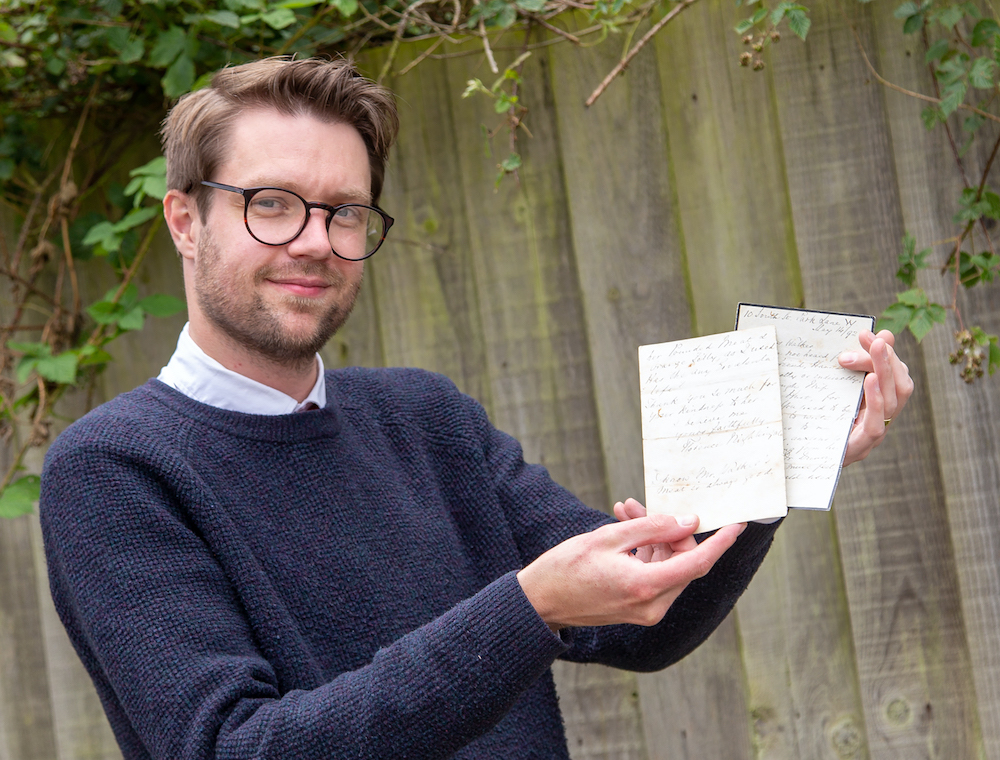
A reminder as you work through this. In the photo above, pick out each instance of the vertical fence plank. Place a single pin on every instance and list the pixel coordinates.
(913, 663)
(630, 261)
(965, 417)
(537, 350)
(25, 708)
(424, 286)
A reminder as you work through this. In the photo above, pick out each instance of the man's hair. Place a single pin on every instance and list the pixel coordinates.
(195, 131)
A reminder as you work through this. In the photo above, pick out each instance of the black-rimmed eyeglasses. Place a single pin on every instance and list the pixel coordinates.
(275, 216)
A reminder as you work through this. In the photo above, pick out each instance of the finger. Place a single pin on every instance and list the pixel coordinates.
(644, 531)
(887, 382)
(902, 381)
(629, 510)
(685, 567)
(869, 430)
(865, 338)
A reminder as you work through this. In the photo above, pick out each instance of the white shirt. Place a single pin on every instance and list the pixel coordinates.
(200, 377)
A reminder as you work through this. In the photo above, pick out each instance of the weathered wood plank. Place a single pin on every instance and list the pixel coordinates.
(25, 709)
(913, 663)
(537, 351)
(630, 261)
(965, 417)
(536, 348)
(726, 155)
(424, 286)
(81, 730)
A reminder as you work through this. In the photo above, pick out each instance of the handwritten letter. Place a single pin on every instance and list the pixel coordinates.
(819, 398)
(711, 427)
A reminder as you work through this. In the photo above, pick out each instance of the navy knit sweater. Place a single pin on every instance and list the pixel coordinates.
(331, 584)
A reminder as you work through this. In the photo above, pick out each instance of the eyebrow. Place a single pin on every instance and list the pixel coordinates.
(348, 194)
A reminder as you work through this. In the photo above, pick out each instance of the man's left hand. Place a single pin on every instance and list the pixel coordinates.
(887, 389)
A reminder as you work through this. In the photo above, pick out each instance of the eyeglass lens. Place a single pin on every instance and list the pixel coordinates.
(275, 217)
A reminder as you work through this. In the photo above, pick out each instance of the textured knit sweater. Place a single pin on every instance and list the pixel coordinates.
(332, 584)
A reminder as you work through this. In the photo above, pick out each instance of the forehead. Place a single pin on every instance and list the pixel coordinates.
(316, 158)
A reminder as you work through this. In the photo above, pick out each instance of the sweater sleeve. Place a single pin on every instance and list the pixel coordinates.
(156, 622)
(544, 514)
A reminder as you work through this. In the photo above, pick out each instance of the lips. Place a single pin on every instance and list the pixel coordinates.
(301, 286)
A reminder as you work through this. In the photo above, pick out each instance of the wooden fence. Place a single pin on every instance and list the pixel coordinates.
(872, 631)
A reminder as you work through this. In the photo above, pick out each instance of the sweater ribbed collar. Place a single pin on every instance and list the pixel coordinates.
(281, 428)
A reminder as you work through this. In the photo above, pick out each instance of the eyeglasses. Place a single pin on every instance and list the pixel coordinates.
(274, 216)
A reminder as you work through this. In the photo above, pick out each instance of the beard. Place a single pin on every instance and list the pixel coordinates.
(233, 302)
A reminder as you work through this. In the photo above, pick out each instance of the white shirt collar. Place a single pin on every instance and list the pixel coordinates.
(200, 377)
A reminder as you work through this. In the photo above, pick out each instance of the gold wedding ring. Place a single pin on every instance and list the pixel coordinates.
(887, 421)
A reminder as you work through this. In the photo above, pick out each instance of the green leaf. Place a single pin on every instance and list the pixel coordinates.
(169, 45)
(994, 359)
(223, 18)
(906, 10)
(973, 123)
(759, 15)
(132, 320)
(24, 368)
(132, 51)
(936, 51)
(95, 356)
(299, 3)
(135, 217)
(19, 497)
(914, 297)
(347, 8)
(7, 168)
(103, 234)
(895, 318)
(59, 369)
(30, 349)
(506, 17)
(984, 32)
(744, 26)
(799, 23)
(276, 18)
(913, 24)
(923, 320)
(512, 162)
(161, 305)
(982, 72)
(179, 77)
(949, 16)
(105, 312)
(532, 6)
(954, 96)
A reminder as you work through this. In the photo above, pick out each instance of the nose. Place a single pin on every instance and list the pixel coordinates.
(314, 241)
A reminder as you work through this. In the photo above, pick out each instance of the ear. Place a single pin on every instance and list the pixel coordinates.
(181, 213)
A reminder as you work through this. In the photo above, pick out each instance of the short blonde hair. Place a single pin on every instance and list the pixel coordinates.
(194, 132)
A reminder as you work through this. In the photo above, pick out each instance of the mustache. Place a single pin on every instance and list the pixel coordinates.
(311, 269)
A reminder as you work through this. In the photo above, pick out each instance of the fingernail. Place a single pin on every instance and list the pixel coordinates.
(878, 389)
(686, 521)
(743, 528)
(885, 352)
(848, 357)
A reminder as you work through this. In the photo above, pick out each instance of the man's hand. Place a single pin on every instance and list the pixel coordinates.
(596, 579)
(887, 389)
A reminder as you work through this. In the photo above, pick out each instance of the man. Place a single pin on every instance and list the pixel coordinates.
(380, 575)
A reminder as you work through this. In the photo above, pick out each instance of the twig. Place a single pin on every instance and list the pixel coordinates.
(147, 241)
(624, 62)
(423, 56)
(400, 30)
(486, 41)
(572, 38)
(303, 29)
(918, 95)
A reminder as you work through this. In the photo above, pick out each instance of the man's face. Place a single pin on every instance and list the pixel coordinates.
(279, 302)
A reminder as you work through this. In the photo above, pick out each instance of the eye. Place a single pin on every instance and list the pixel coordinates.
(273, 204)
(351, 216)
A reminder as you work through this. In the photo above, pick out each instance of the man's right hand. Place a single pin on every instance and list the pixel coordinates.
(596, 578)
